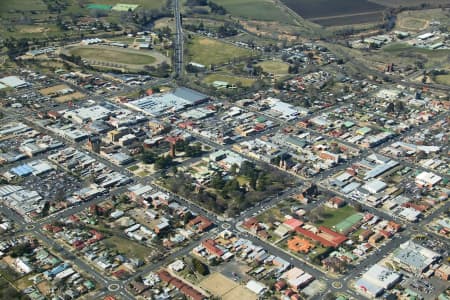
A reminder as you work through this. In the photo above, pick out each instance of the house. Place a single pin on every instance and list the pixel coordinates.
(443, 272)
(363, 236)
(200, 224)
(256, 287)
(211, 248)
(335, 202)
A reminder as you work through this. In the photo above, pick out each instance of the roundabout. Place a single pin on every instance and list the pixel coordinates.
(337, 285)
(114, 287)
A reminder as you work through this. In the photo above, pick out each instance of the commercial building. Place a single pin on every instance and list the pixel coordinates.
(414, 258)
(160, 104)
(376, 280)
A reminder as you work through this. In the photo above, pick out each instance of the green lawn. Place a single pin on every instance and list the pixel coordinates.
(246, 82)
(128, 248)
(113, 55)
(29, 5)
(443, 79)
(259, 10)
(208, 51)
(275, 67)
(334, 216)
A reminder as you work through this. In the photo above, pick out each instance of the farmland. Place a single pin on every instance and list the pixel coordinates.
(208, 51)
(407, 3)
(329, 12)
(267, 10)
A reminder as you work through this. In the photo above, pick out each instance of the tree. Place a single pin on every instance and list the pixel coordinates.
(217, 181)
(200, 267)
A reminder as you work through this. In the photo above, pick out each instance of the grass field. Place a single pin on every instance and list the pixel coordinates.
(418, 20)
(245, 82)
(443, 79)
(208, 51)
(334, 216)
(275, 67)
(121, 56)
(406, 53)
(29, 5)
(260, 10)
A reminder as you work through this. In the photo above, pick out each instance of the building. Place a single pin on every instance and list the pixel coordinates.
(427, 179)
(414, 258)
(376, 280)
(256, 287)
(325, 236)
(160, 104)
(443, 272)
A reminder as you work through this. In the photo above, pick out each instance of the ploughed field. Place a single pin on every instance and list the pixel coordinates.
(337, 12)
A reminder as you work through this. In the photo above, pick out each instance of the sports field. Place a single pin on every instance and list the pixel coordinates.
(114, 55)
(208, 51)
(234, 80)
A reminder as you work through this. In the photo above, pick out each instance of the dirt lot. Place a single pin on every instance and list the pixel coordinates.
(66, 98)
(225, 288)
(53, 89)
(218, 284)
(239, 292)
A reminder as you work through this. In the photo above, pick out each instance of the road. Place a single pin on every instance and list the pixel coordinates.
(178, 58)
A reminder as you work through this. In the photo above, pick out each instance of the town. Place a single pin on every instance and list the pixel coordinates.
(194, 151)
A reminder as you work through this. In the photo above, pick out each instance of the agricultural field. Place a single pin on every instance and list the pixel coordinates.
(208, 51)
(267, 10)
(233, 80)
(330, 12)
(407, 3)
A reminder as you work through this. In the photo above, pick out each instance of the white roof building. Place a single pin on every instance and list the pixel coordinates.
(256, 287)
(427, 179)
(13, 81)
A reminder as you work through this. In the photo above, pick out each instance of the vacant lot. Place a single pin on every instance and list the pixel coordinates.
(225, 288)
(332, 12)
(53, 89)
(210, 51)
(233, 80)
(121, 56)
(70, 97)
(128, 248)
(260, 10)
